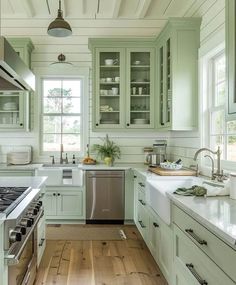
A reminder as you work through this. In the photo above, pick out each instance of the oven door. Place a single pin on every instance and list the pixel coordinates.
(24, 271)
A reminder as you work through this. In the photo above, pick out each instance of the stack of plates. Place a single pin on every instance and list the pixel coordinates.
(140, 121)
(9, 106)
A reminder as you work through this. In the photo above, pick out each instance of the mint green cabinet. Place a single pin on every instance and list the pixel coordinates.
(230, 58)
(64, 204)
(14, 111)
(123, 84)
(177, 74)
(24, 48)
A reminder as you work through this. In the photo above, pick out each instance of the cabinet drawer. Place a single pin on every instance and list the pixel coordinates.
(222, 254)
(197, 266)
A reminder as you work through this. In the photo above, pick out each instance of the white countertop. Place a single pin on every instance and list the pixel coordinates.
(23, 181)
(218, 214)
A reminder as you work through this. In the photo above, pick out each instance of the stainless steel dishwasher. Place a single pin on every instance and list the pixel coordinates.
(105, 196)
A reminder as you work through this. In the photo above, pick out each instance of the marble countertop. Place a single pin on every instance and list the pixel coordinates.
(23, 181)
(217, 214)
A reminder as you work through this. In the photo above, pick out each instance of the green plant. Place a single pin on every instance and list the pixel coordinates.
(107, 149)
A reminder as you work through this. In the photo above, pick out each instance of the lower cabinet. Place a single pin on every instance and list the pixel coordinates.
(62, 204)
(41, 239)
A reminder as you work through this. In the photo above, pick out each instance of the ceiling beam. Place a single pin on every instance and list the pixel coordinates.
(28, 7)
(116, 9)
(143, 8)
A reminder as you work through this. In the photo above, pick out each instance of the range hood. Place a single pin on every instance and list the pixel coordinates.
(14, 74)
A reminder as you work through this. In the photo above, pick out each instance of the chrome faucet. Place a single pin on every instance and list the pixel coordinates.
(218, 174)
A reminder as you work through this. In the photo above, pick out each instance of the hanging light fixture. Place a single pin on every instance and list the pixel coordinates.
(61, 61)
(59, 27)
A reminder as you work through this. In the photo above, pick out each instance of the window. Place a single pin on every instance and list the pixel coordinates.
(222, 133)
(61, 114)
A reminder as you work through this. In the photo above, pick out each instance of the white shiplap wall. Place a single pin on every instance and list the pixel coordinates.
(181, 144)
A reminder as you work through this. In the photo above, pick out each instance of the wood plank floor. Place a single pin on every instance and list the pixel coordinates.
(124, 262)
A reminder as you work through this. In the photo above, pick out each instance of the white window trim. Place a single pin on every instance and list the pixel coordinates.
(204, 125)
(70, 72)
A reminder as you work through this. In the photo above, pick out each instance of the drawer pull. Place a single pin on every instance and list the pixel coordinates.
(141, 184)
(155, 225)
(195, 274)
(42, 241)
(141, 224)
(194, 236)
(142, 202)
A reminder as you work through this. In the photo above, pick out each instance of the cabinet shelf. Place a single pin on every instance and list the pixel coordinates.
(140, 111)
(109, 111)
(110, 96)
(5, 111)
(109, 83)
(109, 66)
(140, 82)
(140, 96)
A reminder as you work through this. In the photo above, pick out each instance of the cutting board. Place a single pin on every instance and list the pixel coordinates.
(165, 172)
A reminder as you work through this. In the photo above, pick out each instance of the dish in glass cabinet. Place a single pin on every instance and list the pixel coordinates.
(137, 62)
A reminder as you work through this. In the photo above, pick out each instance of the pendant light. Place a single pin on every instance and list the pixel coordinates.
(59, 27)
(61, 61)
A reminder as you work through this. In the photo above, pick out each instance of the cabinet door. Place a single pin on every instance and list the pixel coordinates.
(154, 237)
(165, 83)
(142, 221)
(50, 204)
(109, 88)
(140, 88)
(230, 57)
(70, 203)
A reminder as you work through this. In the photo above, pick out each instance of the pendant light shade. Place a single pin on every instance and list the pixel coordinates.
(59, 27)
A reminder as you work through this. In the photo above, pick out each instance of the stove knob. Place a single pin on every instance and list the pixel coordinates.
(33, 211)
(21, 229)
(31, 219)
(40, 203)
(15, 236)
(25, 222)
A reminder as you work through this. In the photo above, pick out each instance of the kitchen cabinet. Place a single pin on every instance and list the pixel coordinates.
(41, 239)
(123, 84)
(230, 58)
(195, 245)
(14, 111)
(6, 172)
(64, 203)
(24, 48)
(177, 74)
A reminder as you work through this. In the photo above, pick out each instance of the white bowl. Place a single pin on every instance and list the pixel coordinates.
(109, 61)
(140, 121)
(170, 165)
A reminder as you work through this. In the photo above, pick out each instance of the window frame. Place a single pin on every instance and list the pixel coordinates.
(41, 73)
(61, 114)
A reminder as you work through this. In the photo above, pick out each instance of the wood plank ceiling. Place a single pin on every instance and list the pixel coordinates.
(114, 18)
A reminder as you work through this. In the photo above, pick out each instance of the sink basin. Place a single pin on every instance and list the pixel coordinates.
(54, 175)
(157, 189)
(60, 165)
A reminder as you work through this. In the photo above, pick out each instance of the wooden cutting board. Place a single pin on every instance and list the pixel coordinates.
(165, 172)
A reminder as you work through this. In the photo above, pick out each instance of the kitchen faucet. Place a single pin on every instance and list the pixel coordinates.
(61, 157)
(215, 175)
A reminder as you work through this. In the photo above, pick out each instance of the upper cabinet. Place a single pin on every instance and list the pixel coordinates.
(24, 48)
(177, 74)
(230, 57)
(14, 111)
(123, 84)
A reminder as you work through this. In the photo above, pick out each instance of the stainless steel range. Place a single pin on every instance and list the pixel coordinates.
(23, 209)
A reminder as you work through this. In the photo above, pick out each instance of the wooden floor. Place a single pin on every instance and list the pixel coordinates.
(124, 262)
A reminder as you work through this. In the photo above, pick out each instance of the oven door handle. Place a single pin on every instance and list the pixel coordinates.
(13, 258)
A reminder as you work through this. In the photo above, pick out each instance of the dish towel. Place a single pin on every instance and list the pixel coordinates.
(195, 190)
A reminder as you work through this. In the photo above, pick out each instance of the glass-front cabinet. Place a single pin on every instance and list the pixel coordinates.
(13, 113)
(123, 87)
(140, 88)
(110, 88)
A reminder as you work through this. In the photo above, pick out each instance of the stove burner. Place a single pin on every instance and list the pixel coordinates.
(10, 197)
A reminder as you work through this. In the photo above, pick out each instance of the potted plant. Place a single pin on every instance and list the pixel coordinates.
(108, 151)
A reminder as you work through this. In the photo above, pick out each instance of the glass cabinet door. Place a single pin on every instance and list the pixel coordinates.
(11, 110)
(140, 88)
(165, 84)
(109, 90)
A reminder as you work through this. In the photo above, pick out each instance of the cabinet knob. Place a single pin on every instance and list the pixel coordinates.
(162, 124)
(58, 194)
(127, 124)
(21, 124)
(97, 124)
(54, 194)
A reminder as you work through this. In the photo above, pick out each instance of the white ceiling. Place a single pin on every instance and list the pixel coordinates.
(98, 17)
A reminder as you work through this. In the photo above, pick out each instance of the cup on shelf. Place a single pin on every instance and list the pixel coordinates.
(108, 79)
(105, 92)
(117, 79)
(103, 79)
(110, 61)
(134, 90)
(137, 62)
(140, 90)
(115, 90)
